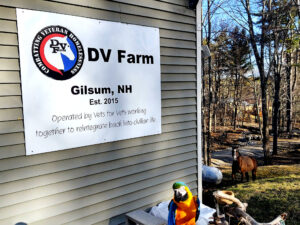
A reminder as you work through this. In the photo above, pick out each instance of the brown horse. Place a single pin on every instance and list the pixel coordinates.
(243, 164)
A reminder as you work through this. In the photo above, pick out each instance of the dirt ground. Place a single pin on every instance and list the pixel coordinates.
(223, 140)
(248, 141)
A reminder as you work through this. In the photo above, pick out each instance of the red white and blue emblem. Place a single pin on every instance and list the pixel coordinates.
(57, 52)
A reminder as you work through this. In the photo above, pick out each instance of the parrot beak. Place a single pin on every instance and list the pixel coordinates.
(180, 194)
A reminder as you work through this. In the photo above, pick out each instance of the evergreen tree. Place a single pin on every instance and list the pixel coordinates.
(239, 51)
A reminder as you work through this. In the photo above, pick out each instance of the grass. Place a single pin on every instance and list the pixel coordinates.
(276, 190)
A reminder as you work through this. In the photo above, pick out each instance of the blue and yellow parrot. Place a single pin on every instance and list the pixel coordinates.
(184, 208)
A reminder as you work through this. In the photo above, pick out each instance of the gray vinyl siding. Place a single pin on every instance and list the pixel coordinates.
(98, 184)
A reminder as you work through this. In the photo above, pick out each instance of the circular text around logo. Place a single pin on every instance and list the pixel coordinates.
(57, 52)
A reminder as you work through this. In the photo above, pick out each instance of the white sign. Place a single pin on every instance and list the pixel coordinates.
(86, 81)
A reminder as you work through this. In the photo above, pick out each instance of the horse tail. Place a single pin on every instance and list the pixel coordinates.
(254, 168)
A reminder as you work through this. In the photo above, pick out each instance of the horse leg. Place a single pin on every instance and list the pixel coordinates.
(233, 178)
(242, 176)
(247, 176)
(253, 175)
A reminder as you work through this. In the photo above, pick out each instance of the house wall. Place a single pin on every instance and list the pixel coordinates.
(97, 184)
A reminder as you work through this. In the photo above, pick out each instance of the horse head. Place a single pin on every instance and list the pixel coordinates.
(58, 53)
(235, 153)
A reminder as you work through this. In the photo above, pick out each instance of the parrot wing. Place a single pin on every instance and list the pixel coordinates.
(172, 213)
(197, 201)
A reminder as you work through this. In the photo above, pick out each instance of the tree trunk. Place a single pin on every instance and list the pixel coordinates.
(204, 144)
(224, 117)
(235, 116)
(265, 128)
(215, 119)
(209, 120)
(209, 88)
(257, 111)
(216, 99)
(289, 96)
(283, 121)
(256, 98)
(259, 57)
(236, 99)
(279, 121)
(276, 102)
(244, 113)
(276, 106)
(294, 82)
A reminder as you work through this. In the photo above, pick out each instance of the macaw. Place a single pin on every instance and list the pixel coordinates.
(184, 208)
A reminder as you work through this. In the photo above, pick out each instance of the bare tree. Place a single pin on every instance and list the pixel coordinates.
(212, 7)
(256, 98)
(260, 61)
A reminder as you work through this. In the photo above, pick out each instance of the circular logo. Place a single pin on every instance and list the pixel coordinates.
(57, 52)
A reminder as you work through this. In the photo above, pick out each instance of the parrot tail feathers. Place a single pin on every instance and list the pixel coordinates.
(172, 213)
(198, 207)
